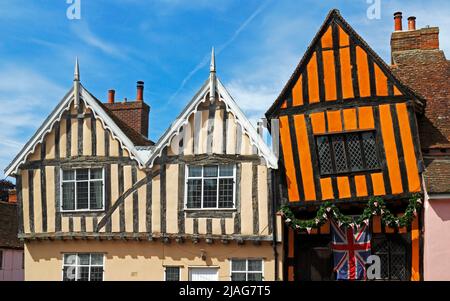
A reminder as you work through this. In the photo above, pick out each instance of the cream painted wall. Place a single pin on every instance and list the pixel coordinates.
(132, 260)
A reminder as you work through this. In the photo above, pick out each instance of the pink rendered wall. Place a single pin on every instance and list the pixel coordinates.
(12, 266)
(437, 239)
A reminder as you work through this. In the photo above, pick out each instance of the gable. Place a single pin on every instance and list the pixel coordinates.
(339, 66)
(212, 128)
(65, 120)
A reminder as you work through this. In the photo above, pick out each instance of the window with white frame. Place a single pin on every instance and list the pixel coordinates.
(172, 273)
(83, 267)
(210, 186)
(246, 270)
(82, 189)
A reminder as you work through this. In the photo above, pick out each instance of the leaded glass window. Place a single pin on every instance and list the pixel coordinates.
(82, 189)
(210, 186)
(347, 152)
(83, 267)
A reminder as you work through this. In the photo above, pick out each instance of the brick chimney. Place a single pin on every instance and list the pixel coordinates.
(413, 39)
(134, 113)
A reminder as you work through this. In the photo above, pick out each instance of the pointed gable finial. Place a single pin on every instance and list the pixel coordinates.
(76, 83)
(212, 77)
(212, 66)
(76, 74)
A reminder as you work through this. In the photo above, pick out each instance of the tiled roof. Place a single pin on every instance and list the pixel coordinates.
(428, 72)
(437, 175)
(133, 135)
(9, 226)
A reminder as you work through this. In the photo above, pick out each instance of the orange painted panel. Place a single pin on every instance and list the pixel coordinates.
(343, 187)
(288, 159)
(297, 93)
(326, 188)
(325, 228)
(388, 229)
(314, 231)
(378, 184)
(363, 72)
(376, 224)
(334, 121)
(346, 73)
(361, 185)
(313, 79)
(408, 148)
(415, 250)
(381, 81)
(284, 105)
(329, 75)
(350, 120)
(390, 149)
(402, 229)
(290, 273)
(291, 237)
(397, 91)
(327, 38)
(305, 158)
(343, 38)
(365, 117)
(318, 123)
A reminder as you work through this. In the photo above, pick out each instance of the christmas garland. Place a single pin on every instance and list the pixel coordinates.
(375, 206)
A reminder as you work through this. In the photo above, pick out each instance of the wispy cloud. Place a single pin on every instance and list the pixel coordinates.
(222, 47)
(83, 32)
(26, 97)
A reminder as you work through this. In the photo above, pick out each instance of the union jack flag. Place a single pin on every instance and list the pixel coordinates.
(350, 251)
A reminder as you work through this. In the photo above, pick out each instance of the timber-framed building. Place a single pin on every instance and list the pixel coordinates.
(100, 201)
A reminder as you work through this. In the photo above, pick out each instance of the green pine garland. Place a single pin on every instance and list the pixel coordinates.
(375, 206)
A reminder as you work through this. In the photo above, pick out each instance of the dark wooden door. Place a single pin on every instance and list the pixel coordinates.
(314, 258)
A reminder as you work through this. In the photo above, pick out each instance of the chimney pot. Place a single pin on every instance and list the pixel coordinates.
(140, 91)
(412, 23)
(111, 95)
(398, 21)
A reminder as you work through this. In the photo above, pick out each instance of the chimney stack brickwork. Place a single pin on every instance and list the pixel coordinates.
(134, 113)
(413, 39)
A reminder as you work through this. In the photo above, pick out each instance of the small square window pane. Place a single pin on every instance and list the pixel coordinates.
(194, 193)
(210, 193)
(69, 273)
(172, 274)
(96, 273)
(68, 175)
(83, 273)
(82, 195)
(84, 259)
(70, 259)
(195, 171)
(238, 277)
(82, 174)
(210, 171)
(96, 259)
(96, 173)
(226, 193)
(255, 265)
(68, 196)
(226, 170)
(254, 276)
(96, 195)
(238, 265)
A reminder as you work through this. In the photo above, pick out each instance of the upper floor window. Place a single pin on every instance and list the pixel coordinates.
(210, 186)
(83, 267)
(347, 152)
(82, 189)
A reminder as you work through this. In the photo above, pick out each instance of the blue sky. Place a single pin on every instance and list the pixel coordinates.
(167, 44)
